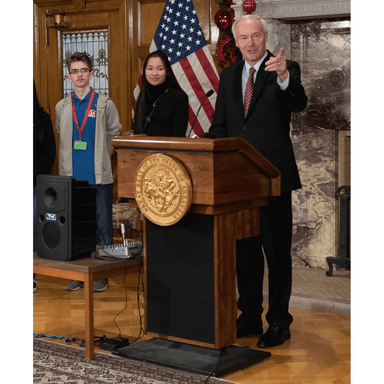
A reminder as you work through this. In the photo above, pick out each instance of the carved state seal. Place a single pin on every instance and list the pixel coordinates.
(163, 189)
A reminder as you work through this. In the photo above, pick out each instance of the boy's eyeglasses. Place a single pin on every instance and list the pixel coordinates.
(82, 70)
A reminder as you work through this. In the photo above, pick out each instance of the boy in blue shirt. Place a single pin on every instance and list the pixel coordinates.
(86, 122)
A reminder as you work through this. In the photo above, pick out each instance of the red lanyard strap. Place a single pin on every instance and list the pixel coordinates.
(86, 113)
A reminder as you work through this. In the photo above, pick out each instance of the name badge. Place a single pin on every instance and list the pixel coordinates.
(82, 145)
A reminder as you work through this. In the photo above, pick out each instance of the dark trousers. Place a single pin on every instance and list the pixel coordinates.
(276, 240)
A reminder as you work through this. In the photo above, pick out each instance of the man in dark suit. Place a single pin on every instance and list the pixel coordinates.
(265, 124)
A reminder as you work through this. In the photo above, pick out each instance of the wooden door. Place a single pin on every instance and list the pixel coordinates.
(51, 20)
(131, 26)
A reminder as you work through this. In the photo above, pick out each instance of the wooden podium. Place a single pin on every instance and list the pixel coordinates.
(190, 267)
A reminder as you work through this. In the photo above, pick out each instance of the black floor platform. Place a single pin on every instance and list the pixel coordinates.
(191, 358)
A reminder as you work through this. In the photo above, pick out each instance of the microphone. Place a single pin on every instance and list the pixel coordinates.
(208, 94)
(122, 228)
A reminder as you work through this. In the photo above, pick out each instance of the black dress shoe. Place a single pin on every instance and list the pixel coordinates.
(273, 337)
(244, 329)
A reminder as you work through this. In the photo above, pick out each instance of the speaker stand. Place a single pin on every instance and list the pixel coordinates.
(191, 358)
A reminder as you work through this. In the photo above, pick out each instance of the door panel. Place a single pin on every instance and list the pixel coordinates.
(48, 36)
(149, 20)
(131, 24)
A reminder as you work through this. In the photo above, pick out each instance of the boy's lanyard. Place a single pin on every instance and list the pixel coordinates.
(86, 113)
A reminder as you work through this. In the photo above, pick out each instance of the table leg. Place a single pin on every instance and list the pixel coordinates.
(89, 325)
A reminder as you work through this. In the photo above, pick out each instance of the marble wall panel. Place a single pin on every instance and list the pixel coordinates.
(322, 47)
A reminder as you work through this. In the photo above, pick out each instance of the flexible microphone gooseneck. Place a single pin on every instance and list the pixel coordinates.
(208, 94)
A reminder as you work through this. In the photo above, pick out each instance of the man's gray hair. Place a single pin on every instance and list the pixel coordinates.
(251, 16)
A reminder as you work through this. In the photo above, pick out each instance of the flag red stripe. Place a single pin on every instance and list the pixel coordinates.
(191, 115)
(197, 88)
(192, 78)
(207, 67)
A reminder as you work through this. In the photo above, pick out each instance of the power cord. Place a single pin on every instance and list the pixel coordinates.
(40, 335)
(119, 341)
(140, 284)
(220, 356)
(126, 302)
(103, 341)
(140, 292)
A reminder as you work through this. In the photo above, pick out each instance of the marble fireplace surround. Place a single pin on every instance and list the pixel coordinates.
(317, 147)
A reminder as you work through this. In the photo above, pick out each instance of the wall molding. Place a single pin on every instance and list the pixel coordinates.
(298, 9)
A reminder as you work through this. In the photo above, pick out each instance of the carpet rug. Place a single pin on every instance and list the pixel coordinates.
(56, 363)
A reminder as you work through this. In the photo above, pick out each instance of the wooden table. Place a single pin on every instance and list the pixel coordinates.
(87, 270)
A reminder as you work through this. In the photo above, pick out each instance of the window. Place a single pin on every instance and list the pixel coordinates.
(95, 43)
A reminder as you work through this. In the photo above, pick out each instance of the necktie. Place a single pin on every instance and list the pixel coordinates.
(248, 91)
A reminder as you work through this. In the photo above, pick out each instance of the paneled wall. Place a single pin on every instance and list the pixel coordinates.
(48, 56)
(307, 31)
(131, 24)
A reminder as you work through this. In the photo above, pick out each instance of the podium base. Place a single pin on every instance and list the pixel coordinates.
(191, 358)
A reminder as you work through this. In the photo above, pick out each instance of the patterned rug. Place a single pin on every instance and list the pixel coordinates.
(56, 363)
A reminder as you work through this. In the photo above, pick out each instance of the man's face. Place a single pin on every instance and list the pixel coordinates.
(80, 79)
(251, 40)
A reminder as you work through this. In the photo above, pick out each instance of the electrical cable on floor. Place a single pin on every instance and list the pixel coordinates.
(39, 335)
(126, 302)
(140, 291)
(80, 342)
(128, 224)
(221, 351)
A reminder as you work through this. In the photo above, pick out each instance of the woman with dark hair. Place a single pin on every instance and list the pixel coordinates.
(162, 106)
(44, 152)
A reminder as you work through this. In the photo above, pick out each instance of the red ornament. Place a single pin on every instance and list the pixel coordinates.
(224, 22)
(249, 6)
(224, 18)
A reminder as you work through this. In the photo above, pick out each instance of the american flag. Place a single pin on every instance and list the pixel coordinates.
(181, 38)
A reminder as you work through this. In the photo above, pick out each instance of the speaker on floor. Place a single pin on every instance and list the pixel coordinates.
(65, 218)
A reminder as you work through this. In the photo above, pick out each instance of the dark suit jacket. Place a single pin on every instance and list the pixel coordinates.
(170, 117)
(267, 125)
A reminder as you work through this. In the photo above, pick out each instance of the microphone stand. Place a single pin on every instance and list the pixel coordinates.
(208, 94)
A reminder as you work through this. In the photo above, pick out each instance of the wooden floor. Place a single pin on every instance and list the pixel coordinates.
(318, 352)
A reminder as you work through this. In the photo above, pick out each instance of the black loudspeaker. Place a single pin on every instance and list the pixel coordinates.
(65, 218)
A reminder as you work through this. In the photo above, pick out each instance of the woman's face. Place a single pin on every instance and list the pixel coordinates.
(155, 72)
